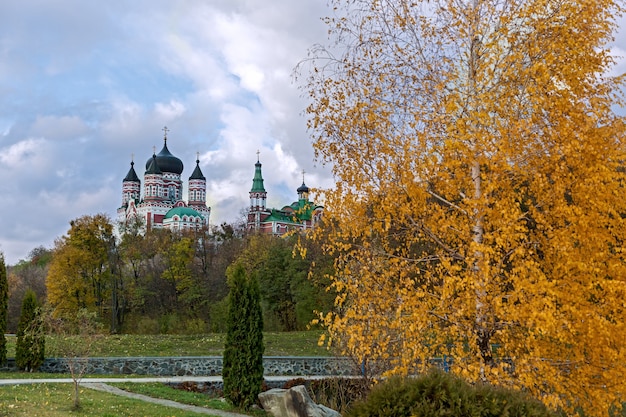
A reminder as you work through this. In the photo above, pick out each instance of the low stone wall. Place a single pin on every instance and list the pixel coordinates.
(202, 366)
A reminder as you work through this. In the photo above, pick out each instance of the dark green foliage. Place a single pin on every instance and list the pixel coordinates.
(243, 354)
(290, 296)
(4, 302)
(441, 394)
(30, 347)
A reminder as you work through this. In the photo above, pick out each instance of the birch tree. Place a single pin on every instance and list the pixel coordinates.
(478, 210)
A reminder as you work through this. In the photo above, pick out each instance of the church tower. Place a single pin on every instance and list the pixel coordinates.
(153, 181)
(258, 197)
(131, 186)
(299, 215)
(303, 193)
(196, 195)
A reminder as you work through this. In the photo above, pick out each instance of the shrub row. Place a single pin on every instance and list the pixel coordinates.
(440, 394)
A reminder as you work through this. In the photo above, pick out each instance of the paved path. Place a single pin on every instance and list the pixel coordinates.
(99, 386)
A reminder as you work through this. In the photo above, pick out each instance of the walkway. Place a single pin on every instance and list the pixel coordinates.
(100, 384)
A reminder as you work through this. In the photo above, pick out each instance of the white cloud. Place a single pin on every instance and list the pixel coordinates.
(24, 153)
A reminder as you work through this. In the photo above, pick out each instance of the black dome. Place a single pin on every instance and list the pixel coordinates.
(303, 189)
(167, 162)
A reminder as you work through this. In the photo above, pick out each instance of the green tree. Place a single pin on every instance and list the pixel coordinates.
(291, 290)
(243, 354)
(31, 341)
(479, 195)
(4, 300)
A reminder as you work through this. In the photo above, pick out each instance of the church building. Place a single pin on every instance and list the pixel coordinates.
(160, 203)
(299, 215)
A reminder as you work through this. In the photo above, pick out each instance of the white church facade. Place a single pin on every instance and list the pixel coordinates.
(159, 202)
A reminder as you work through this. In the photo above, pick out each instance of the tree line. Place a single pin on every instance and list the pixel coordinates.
(169, 282)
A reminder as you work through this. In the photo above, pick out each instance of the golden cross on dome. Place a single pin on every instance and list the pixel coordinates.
(303, 176)
(165, 130)
(258, 152)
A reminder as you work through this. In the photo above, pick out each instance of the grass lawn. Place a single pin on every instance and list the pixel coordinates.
(276, 344)
(52, 400)
(56, 399)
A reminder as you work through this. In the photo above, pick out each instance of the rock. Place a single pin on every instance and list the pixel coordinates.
(293, 402)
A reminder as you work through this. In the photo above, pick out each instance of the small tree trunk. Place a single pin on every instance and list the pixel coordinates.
(76, 395)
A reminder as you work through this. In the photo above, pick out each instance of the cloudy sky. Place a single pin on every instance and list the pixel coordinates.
(86, 84)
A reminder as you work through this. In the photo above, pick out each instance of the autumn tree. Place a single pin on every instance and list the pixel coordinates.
(26, 274)
(79, 276)
(479, 190)
(4, 300)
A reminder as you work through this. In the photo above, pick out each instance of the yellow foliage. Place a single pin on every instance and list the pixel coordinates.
(480, 192)
(78, 277)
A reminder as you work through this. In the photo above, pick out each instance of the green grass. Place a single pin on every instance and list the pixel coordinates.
(276, 344)
(55, 400)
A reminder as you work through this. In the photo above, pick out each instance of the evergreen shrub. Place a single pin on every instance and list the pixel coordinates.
(30, 345)
(243, 354)
(440, 394)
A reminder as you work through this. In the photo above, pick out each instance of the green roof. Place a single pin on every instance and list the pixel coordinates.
(257, 181)
(182, 211)
(281, 216)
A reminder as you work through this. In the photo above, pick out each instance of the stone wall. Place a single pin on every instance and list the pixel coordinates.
(201, 366)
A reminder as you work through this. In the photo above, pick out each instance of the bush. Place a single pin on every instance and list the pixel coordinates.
(339, 393)
(439, 394)
(30, 345)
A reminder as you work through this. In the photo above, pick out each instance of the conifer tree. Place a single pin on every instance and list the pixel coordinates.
(243, 354)
(30, 347)
(4, 301)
